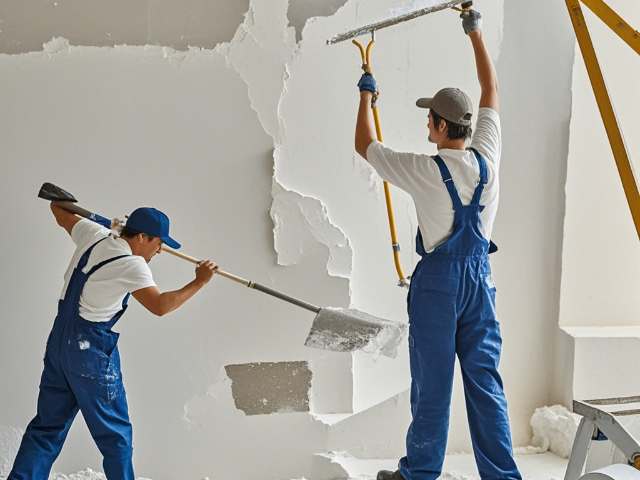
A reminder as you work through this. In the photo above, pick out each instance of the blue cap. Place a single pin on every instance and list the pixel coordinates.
(152, 222)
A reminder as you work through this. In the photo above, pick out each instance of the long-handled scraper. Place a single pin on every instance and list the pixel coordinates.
(366, 66)
(440, 5)
(335, 329)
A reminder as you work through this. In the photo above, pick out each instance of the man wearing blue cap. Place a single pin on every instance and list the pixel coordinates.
(451, 301)
(82, 363)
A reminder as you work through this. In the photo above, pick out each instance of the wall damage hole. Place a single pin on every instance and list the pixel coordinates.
(302, 10)
(270, 387)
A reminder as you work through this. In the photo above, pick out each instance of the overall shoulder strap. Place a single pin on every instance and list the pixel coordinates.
(483, 178)
(85, 256)
(448, 181)
(105, 262)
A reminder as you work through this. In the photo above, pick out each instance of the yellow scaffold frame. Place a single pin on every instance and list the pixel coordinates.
(632, 38)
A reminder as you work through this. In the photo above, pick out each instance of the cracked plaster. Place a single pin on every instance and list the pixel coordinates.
(264, 35)
(308, 218)
(305, 99)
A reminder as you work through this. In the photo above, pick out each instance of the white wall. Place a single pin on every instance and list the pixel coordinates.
(601, 252)
(248, 148)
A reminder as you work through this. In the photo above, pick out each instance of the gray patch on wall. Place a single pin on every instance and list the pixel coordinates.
(302, 10)
(270, 387)
(27, 24)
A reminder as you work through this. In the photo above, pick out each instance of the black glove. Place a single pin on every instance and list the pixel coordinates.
(471, 20)
(367, 83)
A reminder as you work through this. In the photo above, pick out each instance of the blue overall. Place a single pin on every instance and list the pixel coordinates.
(81, 372)
(451, 306)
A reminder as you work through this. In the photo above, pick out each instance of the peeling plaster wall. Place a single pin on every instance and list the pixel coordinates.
(128, 126)
(27, 24)
(601, 252)
(248, 147)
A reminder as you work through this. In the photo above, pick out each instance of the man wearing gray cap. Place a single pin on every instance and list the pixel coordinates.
(451, 300)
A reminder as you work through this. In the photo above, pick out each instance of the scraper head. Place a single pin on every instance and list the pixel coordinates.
(52, 192)
(346, 330)
(439, 5)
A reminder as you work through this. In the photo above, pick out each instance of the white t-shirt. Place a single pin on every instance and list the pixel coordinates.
(419, 175)
(106, 288)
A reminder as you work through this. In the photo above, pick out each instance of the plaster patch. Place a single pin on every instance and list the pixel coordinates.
(258, 53)
(300, 11)
(300, 223)
(412, 6)
(87, 474)
(366, 172)
(204, 409)
(554, 429)
(61, 45)
(56, 45)
(261, 53)
(171, 54)
(9, 442)
(271, 387)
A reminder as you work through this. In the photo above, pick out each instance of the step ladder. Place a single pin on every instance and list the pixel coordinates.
(600, 421)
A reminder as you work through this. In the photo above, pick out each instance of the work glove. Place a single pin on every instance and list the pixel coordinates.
(367, 83)
(471, 20)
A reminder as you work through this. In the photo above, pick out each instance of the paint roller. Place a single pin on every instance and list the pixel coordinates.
(334, 329)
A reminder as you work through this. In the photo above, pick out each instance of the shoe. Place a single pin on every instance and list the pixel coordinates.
(389, 475)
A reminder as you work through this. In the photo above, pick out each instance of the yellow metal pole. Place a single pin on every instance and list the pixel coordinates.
(387, 195)
(606, 111)
(366, 66)
(615, 22)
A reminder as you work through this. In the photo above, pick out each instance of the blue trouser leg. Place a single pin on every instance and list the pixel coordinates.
(46, 433)
(104, 407)
(432, 360)
(111, 430)
(478, 346)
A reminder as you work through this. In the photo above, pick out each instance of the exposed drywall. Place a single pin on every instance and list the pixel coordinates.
(270, 387)
(249, 148)
(601, 252)
(27, 24)
(302, 10)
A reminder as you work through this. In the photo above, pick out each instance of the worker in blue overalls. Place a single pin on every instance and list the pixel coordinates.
(82, 363)
(451, 301)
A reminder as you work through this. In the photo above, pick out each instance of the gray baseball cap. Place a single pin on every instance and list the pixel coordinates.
(451, 104)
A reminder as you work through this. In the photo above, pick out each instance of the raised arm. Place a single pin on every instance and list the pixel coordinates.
(365, 125)
(65, 219)
(472, 24)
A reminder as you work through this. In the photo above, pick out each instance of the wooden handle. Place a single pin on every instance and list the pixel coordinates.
(191, 259)
(248, 283)
(73, 208)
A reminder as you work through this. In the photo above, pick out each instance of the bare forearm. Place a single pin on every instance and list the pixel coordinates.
(169, 301)
(162, 303)
(365, 125)
(486, 72)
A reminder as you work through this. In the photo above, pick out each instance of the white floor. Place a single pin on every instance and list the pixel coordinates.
(459, 466)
